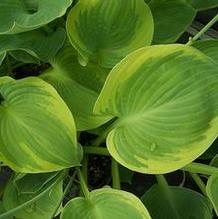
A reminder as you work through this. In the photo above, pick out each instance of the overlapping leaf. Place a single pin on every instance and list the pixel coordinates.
(212, 186)
(176, 202)
(107, 204)
(107, 31)
(17, 16)
(32, 183)
(212, 191)
(43, 208)
(203, 4)
(171, 19)
(36, 43)
(165, 99)
(37, 131)
(78, 86)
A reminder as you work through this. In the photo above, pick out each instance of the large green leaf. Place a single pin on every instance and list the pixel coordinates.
(176, 203)
(107, 31)
(203, 4)
(43, 208)
(212, 186)
(23, 15)
(165, 99)
(78, 86)
(37, 131)
(36, 43)
(212, 191)
(107, 204)
(171, 19)
(208, 47)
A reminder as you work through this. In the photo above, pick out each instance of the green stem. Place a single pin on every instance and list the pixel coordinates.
(84, 168)
(13, 211)
(162, 182)
(72, 178)
(201, 168)
(83, 183)
(199, 183)
(115, 174)
(96, 150)
(203, 30)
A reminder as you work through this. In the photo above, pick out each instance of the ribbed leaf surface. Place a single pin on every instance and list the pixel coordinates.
(108, 30)
(17, 16)
(78, 86)
(166, 101)
(106, 204)
(37, 131)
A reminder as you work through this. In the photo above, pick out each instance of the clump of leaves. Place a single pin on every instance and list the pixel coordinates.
(117, 85)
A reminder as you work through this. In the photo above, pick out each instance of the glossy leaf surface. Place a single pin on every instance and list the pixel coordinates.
(78, 86)
(107, 31)
(37, 128)
(23, 15)
(107, 204)
(177, 202)
(165, 99)
(171, 19)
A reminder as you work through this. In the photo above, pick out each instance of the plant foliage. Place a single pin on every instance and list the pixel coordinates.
(113, 80)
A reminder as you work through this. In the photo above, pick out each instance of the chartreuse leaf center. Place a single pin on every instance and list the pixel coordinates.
(107, 31)
(165, 98)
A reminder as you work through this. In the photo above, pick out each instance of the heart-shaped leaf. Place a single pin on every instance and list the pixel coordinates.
(107, 31)
(208, 47)
(36, 43)
(177, 202)
(43, 208)
(165, 99)
(203, 4)
(78, 86)
(171, 19)
(107, 204)
(37, 128)
(17, 16)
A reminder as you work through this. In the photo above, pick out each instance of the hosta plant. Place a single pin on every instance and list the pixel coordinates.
(89, 80)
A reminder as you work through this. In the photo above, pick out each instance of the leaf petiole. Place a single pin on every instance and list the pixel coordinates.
(203, 30)
(199, 182)
(115, 174)
(201, 168)
(96, 150)
(83, 183)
